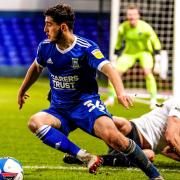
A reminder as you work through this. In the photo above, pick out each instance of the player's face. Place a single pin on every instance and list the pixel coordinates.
(133, 16)
(52, 30)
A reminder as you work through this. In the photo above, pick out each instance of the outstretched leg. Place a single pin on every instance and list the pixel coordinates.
(146, 62)
(45, 126)
(106, 130)
(152, 89)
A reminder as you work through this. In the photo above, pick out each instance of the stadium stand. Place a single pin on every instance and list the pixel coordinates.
(20, 34)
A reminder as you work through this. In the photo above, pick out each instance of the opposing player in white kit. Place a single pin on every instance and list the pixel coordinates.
(155, 132)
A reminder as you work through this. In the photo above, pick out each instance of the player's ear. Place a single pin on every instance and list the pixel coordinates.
(63, 27)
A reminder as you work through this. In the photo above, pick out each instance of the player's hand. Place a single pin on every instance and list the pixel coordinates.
(150, 154)
(21, 99)
(125, 100)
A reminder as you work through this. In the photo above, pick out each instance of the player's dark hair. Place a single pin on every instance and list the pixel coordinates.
(62, 13)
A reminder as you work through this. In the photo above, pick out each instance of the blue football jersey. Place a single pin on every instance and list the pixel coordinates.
(72, 72)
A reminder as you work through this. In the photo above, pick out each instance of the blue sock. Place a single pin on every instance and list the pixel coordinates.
(56, 139)
(136, 156)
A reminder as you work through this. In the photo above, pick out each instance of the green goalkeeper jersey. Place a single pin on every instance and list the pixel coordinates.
(137, 39)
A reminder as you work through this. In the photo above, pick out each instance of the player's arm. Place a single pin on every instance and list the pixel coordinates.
(116, 81)
(172, 133)
(31, 76)
(169, 152)
(154, 40)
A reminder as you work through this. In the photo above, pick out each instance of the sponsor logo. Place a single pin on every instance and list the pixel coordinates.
(57, 145)
(98, 54)
(75, 63)
(49, 61)
(64, 82)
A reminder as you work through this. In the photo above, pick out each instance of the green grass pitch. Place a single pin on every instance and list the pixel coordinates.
(40, 161)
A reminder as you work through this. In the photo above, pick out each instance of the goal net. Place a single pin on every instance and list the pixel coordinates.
(159, 14)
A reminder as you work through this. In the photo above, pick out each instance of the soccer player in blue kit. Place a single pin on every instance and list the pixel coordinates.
(72, 62)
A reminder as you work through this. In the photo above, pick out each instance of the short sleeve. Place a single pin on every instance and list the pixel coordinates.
(96, 58)
(174, 109)
(39, 57)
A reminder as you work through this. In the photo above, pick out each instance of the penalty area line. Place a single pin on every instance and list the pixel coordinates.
(85, 168)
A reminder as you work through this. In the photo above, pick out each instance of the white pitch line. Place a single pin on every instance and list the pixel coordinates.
(55, 167)
(143, 101)
(85, 169)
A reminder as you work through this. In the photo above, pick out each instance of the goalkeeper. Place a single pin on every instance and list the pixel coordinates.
(137, 41)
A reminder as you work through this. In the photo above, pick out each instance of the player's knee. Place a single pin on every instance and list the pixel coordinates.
(33, 124)
(148, 73)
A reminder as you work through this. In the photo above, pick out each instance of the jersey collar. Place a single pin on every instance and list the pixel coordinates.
(69, 48)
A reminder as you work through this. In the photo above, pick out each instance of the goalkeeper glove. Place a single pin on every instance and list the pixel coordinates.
(157, 65)
(161, 64)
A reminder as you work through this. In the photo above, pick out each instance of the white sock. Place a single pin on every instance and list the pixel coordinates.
(81, 153)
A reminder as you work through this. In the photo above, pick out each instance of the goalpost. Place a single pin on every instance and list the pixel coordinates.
(115, 9)
(176, 64)
(160, 15)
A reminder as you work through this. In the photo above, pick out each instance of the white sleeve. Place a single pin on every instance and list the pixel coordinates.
(175, 110)
(102, 64)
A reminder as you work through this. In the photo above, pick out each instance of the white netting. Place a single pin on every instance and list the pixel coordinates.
(159, 14)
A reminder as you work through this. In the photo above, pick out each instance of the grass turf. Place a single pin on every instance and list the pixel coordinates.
(42, 162)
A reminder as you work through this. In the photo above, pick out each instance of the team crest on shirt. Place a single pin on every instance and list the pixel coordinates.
(75, 63)
(49, 61)
(97, 53)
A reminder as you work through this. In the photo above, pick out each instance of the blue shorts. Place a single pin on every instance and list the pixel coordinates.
(82, 115)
